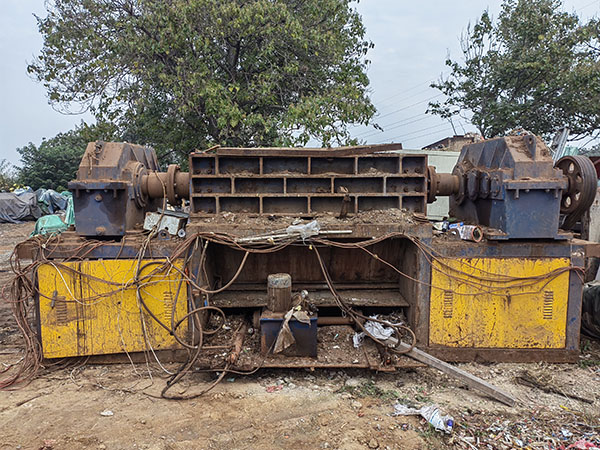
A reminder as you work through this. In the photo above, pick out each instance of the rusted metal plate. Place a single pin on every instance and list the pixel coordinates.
(274, 181)
(357, 297)
(69, 245)
(291, 151)
(503, 355)
(239, 226)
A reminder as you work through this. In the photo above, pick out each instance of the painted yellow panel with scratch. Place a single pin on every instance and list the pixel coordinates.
(499, 303)
(92, 308)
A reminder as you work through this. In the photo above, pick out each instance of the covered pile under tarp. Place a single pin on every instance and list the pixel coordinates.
(51, 201)
(16, 208)
(56, 223)
(50, 224)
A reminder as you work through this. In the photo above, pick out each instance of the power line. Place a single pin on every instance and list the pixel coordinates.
(389, 101)
(410, 106)
(589, 4)
(385, 130)
(397, 122)
(399, 93)
(419, 131)
(424, 135)
(437, 131)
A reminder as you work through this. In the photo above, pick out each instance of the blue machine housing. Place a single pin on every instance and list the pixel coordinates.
(108, 198)
(510, 184)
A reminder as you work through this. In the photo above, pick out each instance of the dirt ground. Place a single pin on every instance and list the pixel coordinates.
(81, 406)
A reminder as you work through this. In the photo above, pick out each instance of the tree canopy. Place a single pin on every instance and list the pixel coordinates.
(536, 67)
(54, 163)
(8, 176)
(185, 74)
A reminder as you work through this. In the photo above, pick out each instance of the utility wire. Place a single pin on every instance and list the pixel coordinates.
(589, 4)
(389, 101)
(437, 133)
(406, 120)
(410, 106)
(373, 132)
(406, 91)
(420, 130)
(399, 125)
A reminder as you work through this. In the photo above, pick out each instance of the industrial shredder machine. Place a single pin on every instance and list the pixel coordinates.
(295, 257)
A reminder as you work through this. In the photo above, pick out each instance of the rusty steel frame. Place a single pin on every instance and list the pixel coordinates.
(308, 183)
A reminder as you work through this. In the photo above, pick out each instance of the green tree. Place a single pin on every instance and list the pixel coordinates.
(54, 163)
(8, 176)
(185, 74)
(536, 67)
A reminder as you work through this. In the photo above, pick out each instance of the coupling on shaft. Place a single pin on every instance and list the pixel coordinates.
(441, 184)
(172, 184)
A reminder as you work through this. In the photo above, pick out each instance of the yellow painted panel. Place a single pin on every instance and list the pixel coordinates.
(82, 314)
(474, 303)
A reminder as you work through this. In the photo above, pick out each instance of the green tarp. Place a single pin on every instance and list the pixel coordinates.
(53, 223)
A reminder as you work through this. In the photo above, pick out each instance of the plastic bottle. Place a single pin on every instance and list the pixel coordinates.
(434, 416)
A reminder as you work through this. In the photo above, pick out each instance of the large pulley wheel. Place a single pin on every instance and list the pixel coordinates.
(581, 189)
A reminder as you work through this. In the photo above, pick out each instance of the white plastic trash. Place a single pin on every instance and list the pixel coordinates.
(431, 413)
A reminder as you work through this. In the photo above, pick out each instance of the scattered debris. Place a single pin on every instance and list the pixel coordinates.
(373, 443)
(352, 382)
(48, 444)
(285, 337)
(271, 389)
(379, 330)
(303, 231)
(431, 413)
(467, 232)
(583, 444)
(526, 378)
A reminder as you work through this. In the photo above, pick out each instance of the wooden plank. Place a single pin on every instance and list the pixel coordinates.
(471, 380)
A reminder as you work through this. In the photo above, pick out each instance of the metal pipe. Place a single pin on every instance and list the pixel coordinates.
(334, 320)
(157, 185)
(323, 321)
(238, 342)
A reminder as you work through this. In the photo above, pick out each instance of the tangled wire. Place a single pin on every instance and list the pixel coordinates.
(23, 292)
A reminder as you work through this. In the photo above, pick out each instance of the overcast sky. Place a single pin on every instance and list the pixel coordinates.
(412, 40)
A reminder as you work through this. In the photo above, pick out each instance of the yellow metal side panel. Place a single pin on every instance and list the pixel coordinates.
(82, 314)
(473, 303)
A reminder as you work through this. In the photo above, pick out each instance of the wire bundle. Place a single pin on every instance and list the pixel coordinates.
(23, 291)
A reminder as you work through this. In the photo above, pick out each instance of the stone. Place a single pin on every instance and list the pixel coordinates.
(352, 382)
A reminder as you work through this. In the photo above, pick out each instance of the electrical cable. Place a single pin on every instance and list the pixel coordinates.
(23, 289)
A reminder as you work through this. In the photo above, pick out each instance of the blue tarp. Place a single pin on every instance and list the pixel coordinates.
(52, 201)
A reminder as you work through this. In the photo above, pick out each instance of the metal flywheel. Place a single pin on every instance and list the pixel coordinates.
(581, 190)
